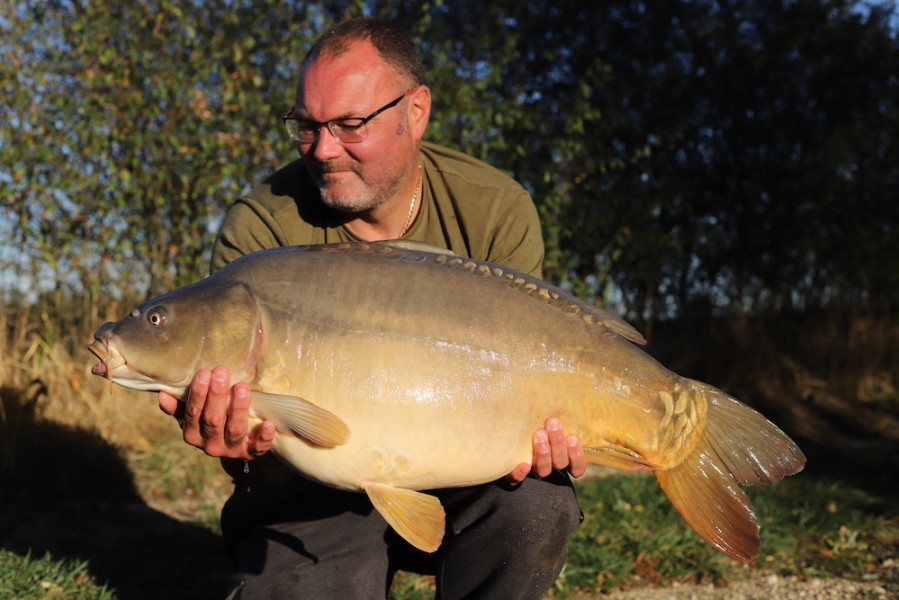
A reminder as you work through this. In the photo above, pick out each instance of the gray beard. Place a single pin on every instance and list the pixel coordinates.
(370, 200)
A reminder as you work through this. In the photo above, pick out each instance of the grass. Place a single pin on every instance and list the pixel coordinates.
(179, 480)
(631, 536)
(26, 577)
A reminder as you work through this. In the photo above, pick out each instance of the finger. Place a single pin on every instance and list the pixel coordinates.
(261, 439)
(193, 408)
(557, 445)
(577, 459)
(238, 415)
(215, 413)
(168, 403)
(543, 461)
(519, 474)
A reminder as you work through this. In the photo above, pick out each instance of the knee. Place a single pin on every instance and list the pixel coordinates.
(547, 504)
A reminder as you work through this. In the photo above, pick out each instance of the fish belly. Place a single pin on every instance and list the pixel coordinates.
(426, 413)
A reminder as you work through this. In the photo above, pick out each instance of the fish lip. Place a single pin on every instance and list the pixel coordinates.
(108, 362)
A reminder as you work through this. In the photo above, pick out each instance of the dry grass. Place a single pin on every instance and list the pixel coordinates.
(47, 384)
(97, 474)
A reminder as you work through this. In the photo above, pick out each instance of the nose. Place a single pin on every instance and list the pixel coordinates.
(325, 146)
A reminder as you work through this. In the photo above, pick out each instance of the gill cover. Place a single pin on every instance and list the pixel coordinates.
(212, 322)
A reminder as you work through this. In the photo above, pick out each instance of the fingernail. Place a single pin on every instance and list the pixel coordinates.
(203, 377)
(554, 425)
(541, 442)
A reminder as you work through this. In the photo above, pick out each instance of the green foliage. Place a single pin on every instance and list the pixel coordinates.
(134, 125)
(173, 472)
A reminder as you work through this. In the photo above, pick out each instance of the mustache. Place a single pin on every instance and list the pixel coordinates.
(335, 166)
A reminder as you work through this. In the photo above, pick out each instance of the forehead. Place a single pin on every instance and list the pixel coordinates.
(353, 83)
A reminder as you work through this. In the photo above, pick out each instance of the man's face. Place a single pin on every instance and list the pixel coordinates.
(359, 176)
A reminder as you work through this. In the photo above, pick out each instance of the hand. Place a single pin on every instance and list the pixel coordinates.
(552, 450)
(212, 423)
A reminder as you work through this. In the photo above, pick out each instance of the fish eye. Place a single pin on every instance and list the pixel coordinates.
(157, 317)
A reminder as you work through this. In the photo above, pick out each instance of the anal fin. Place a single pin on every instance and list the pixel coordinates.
(292, 413)
(418, 518)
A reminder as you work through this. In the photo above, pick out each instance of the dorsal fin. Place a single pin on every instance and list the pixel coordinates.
(545, 292)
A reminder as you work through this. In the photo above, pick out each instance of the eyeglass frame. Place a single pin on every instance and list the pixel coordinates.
(330, 124)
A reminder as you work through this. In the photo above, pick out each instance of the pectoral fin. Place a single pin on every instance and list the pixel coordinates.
(291, 413)
(417, 517)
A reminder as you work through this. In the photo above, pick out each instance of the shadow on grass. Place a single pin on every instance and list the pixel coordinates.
(69, 493)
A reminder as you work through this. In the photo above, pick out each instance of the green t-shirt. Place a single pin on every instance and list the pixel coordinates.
(467, 206)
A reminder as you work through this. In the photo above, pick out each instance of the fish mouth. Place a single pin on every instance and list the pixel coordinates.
(100, 369)
(109, 360)
(113, 367)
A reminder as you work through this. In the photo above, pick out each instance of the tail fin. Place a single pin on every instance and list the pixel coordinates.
(738, 446)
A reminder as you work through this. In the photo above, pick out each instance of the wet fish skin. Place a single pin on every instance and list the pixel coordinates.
(396, 367)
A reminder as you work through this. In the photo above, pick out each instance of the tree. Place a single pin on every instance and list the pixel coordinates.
(134, 125)
(734, 154)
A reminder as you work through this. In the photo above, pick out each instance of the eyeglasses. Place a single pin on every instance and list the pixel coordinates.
(349, 130)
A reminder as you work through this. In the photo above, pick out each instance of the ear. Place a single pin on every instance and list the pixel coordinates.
(419, 111)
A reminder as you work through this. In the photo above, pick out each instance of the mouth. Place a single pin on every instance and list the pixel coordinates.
(100, 349)
(100, 369)
(331, 173)
(333, 177)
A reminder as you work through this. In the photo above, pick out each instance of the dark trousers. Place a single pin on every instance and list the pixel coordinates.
(303, 540)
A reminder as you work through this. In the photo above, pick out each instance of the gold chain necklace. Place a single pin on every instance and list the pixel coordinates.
(411, 206)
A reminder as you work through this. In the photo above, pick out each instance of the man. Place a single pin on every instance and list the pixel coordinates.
(372, 178)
